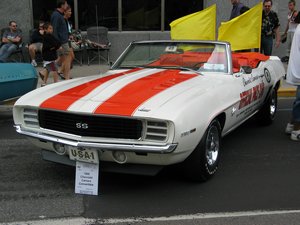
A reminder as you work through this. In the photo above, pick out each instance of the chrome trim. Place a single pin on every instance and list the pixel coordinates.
(168, 148)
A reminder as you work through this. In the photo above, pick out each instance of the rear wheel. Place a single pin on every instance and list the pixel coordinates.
(266, 114)
(202, 164)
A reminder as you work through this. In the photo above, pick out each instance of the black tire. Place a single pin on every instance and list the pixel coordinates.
(267, 113)
(202, 164)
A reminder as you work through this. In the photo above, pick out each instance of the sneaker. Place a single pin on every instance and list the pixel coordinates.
(285, 59)
(33, 62)
(295, 135)
(289, 128)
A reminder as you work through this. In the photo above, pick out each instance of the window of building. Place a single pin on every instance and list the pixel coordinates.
(42, 10)
(175, 9)
(141, 14)
(104, 11)
(136, 14)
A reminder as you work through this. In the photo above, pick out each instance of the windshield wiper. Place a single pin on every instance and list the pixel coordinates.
(182, 68)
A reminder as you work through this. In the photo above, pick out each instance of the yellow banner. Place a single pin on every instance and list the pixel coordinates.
(197, 26)
(244, 31)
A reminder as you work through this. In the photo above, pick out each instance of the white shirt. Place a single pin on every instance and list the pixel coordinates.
(293, 71)
(292, 24)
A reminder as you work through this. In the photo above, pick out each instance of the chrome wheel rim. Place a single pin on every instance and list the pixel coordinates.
(212, 145)
(273, 106)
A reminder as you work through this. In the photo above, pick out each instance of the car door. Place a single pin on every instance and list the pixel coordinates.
(251, 92)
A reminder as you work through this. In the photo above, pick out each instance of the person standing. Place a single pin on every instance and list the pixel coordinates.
(10, 40)
(290, 28)
(60, 32)
(293, 77)
(270, 28)
(236, 8)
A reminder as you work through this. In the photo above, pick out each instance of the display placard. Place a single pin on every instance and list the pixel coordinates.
(86, 179)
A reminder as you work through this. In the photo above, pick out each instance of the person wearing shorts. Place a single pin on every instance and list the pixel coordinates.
(36, 42)
(50, 46)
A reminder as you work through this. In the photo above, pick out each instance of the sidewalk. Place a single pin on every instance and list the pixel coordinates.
(79, 71)
(285, 89)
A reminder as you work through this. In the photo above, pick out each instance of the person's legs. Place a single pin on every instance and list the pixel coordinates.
(267, 45)
(289, 40)
(295, 135)
(6, 50)
(32, 50)
(66, 61)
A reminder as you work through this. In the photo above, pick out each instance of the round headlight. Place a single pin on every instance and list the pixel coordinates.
(59, 148)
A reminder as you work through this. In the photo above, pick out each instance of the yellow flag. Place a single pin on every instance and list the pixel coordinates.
(197, 26)
(244, 31)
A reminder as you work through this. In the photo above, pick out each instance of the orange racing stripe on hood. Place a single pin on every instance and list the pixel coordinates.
(63, 100)
(130, 97)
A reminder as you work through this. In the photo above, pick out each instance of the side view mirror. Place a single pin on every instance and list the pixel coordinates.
(246, 69)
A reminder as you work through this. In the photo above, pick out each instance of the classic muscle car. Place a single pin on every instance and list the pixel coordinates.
(161, 103)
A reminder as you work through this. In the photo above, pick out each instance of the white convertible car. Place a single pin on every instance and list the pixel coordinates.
(161, 103)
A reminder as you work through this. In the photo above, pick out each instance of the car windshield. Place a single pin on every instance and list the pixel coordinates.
(201, 57)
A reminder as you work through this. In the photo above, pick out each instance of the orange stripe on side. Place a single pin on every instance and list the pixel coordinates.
(63, 100)
(126, 101)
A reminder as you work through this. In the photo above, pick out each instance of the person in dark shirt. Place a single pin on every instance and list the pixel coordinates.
(270, 28)
(236, 8)
(50, 46)
(60, 31)
(36, 40)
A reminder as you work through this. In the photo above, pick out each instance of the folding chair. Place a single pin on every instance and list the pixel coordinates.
(97, 42)
(78, 46)
(19, 51)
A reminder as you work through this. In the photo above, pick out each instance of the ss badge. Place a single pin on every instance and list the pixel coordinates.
(82, 126)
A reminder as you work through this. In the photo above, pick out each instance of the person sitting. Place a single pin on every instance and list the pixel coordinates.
(36, 42)
(10, 41)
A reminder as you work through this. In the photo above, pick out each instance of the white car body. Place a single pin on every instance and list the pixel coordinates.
(173, 107)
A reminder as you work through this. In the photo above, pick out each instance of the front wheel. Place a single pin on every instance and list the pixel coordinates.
(202, 164)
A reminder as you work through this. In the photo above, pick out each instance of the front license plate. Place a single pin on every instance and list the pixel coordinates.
(83, 154)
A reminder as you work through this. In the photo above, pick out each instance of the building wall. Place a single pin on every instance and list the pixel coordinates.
(21, 12)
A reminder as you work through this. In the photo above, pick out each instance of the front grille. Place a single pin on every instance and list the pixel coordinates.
(91, 125)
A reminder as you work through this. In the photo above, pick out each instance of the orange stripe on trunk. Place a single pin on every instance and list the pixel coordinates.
(63, 100)
(129, 98)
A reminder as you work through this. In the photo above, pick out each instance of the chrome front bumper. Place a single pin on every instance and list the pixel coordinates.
(168, 148)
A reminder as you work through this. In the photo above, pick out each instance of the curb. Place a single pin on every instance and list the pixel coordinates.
(286, 92)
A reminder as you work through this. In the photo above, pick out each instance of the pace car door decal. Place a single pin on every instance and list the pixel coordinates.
(129, 98)
(63, 100)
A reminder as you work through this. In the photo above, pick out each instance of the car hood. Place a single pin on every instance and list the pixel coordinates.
(122, 93)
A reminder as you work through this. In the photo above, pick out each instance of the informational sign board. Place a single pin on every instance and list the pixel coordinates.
(86, 180)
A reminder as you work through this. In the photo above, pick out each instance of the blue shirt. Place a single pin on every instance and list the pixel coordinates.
(60, 29)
